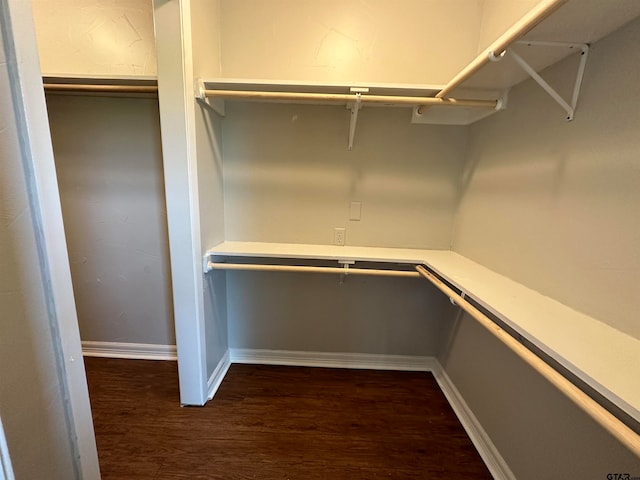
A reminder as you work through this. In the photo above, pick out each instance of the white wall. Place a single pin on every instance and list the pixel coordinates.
(377, 41)
(206, 37)
(554, 204)
(289, 176)
(95, 37)
(498, 16)
(351, 42)
(109, 163)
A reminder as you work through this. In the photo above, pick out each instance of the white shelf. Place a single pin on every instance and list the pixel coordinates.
(578, 21)
(441, 115)
(74, 79)
(126, 86)
(320, 252)
(603, 357)
(426, 90)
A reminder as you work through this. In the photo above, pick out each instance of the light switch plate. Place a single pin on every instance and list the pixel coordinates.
(355, 211)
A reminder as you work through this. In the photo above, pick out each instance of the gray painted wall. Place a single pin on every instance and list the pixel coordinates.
(109, 162)
(554, 205)
(312, 312)
(289, 176)
(539, 432)
(31, 398)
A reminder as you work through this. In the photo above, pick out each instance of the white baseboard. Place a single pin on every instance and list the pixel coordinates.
(218, 375)
(137, 351)
(332, 360)
(490, 455)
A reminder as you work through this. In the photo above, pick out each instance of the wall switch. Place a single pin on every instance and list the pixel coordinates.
(338, 236)
(355, 210)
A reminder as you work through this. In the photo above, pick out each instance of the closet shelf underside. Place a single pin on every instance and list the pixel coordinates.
(604, 358)
(118, 85)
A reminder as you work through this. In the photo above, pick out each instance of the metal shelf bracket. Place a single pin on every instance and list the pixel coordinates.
(568, 107)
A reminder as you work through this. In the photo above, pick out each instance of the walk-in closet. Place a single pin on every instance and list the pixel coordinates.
(417, 185)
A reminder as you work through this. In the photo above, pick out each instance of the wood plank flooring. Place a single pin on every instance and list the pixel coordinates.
(271, 422)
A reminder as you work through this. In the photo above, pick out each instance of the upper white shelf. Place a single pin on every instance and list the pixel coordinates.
(141, 80)
(439, 114)
(577, 21)
(605, 358)
(244, 84)
(117, 85)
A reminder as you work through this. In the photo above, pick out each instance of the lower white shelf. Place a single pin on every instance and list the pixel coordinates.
(604, 358)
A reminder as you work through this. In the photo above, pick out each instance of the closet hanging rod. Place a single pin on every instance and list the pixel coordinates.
(601, 415)
(494, 51)
(347, 98)
(93, 88)
(297, 268)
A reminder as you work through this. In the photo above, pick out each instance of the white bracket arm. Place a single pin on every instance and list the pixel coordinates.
(568, 107)
(355, 108)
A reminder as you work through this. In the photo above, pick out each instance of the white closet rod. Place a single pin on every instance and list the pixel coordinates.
(92, 88)
(297, 268)
(347, 98)
(523, 26)
(606, 419)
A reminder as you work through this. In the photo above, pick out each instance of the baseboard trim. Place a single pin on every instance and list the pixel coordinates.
(332, 360)
(218, 375)
(137, 351)
(488, 452)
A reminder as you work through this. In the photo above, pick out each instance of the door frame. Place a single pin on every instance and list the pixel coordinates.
(19, 38)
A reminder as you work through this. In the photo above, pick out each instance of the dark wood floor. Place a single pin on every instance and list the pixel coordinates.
(277, 423)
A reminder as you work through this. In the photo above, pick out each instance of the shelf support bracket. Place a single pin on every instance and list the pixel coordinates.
(569, 108)
(216, 105)
(355, 108)
(345, 265)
